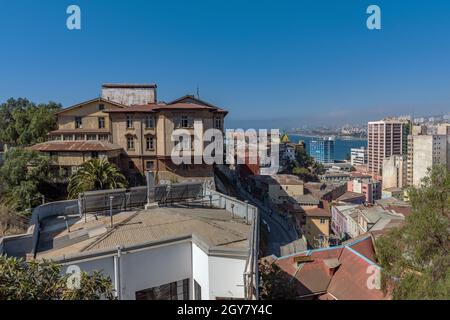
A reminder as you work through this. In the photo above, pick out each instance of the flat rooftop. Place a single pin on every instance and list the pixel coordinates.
(215, 227)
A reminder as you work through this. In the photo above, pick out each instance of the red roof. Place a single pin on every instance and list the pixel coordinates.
(340, 272)
(317, 212)
(75, 146)
(183, 103)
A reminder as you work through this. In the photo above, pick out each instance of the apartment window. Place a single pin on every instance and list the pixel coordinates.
(197, 291)
(178, 290)
(149, 122)
(149, 143)
(130, 143)
(103, 137)
(94, 155)
(78, 123)
(218, 123)
(323, 221)
(129, 121)
(91, 137)
(184, 122)
(150, 165)
(79, 137)
(101, 123)
(101, 107)
(67, 137)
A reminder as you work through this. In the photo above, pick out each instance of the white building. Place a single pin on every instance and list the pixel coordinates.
(428, 151)
(358, 156)
(202, 249)
(394, 172)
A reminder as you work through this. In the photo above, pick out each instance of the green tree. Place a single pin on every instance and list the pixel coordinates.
(23, 173)
(275, 283)
(95, 174)
(23, 123)
(416, 257)
(20, 280)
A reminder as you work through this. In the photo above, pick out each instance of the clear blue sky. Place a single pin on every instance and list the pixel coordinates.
(270, 63)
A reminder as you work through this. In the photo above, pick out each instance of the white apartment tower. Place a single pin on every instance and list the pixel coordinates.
(428, 151)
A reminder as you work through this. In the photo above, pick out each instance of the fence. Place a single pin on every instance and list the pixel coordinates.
(134, 198)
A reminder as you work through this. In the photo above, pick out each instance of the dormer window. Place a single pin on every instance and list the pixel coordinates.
(78, 123)
(218, 123)
(129, 121)
(101, 107)
(184, 122)
(149, 122)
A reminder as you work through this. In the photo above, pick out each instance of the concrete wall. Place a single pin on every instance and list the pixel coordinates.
(428, 151)
(89, 113)
(394, 172)
(130, 96)
(226, 277)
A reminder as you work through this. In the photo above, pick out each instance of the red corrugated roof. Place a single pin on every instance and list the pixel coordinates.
(75, 146)
(349, 281)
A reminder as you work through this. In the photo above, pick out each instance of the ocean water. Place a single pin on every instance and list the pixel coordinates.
(341, 146)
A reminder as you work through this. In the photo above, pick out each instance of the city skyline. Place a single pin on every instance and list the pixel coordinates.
(316, 62)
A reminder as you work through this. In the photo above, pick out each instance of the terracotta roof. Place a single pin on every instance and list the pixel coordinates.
(75, 146)
(161, 106)
(81, 131)
(138, 108)
(334, 273)
(90, 101)
(317, 212)
(351, 196)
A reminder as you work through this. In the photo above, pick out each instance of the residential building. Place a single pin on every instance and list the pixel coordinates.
(358, 156)
(336, 273)
(369, 187)
(429, 151)
(351, 221)
(395, 172)
(352, 197)
(317, 227)
(129, 127)
(398, 193)
(172, 251)
(279, 188)
(386, 138)
(415, 130)
(335, 177)
(322, 150)
(325, 192)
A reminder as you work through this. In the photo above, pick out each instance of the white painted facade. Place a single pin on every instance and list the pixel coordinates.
(148, 266)
(429, 150)
(358, 157)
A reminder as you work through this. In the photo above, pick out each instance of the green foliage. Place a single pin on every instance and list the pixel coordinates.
(20, 280)
(275, 283)
(23, 123)
(95, 174)
(416, 257)
(305, 166)
(22, 174)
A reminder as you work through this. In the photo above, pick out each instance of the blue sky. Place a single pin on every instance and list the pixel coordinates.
(270, 63)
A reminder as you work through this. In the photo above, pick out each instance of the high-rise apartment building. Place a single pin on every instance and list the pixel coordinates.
(358, 156)
(322, 150)
(386, 138)
(428, 151)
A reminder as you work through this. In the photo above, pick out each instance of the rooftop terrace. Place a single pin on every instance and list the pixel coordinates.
(214, 226)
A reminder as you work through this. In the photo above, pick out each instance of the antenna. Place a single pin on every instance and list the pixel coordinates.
(198, 92)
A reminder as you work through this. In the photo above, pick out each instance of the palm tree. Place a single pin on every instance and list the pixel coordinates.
(95, 174)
